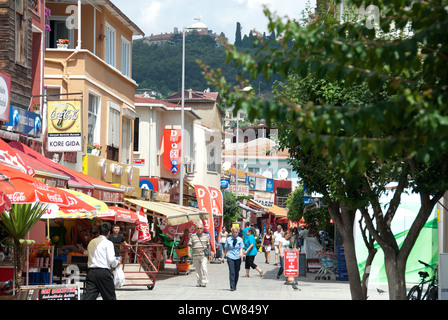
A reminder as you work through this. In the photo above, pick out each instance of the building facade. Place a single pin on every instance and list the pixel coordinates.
(93, 73)
(156, 119)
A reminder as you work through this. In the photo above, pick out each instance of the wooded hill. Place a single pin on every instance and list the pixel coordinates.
(159, 67)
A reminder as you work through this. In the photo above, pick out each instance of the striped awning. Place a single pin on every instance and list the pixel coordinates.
(174, 213)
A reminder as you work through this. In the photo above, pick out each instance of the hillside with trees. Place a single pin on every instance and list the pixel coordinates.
(159, 67)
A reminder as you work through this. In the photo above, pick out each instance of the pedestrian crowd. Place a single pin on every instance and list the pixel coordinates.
(234, 247)
(237, 247)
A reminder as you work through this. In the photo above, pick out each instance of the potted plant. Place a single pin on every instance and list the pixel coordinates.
(63, 43)
(94, 148)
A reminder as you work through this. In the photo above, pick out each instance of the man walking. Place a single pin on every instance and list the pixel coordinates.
(277, 236)
(199, 242)
(100, 279)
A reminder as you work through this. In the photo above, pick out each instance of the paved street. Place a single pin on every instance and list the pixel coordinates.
(183, 287)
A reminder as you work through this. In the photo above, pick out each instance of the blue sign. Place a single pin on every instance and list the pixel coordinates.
(24, 121)
(225, 183)
(174, 170)
(146, 184)
(174, 162)
(270, 185)
(307, 200)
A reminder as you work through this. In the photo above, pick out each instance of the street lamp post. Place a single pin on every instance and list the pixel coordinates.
(196, 26)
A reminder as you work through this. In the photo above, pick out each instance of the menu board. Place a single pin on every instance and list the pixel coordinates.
(50, 292)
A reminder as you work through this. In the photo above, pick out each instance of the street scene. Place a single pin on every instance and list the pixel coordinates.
(236, 151)
(183, 287)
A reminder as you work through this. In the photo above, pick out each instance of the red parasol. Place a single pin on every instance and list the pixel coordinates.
(5, 203)
(118, 214)
(22, 188)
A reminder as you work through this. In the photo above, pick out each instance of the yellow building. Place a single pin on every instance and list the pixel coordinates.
(95, 68)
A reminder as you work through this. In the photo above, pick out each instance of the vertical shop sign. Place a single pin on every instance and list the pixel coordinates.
(217, 211)
(204, 204)
(172, 147)
(5, 96)
(64, 126)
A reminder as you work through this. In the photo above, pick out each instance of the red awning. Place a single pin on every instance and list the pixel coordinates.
(74, 182)
(46, 173)
(78, 181)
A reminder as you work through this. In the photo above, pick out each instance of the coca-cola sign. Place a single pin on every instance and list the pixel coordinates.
(17, 197)
(64, 126)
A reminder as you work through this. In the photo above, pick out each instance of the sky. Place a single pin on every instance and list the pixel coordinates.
(162, 16)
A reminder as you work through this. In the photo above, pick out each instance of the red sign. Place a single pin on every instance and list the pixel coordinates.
(217, 211)
(5, 96)
(205, 204)
(291, 262)
(139, 162)
(172, 149)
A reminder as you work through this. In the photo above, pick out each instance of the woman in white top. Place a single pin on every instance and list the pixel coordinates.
(222, 241)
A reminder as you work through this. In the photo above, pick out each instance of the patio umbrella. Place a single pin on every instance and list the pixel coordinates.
(5, 203)
(22, 188)
(81, 206)
(118, 214)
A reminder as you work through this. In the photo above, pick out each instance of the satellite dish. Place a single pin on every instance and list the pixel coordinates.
(282, 174)
(267, 174)
(226, 166)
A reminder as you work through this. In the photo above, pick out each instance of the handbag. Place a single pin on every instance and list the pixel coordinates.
(207, 252)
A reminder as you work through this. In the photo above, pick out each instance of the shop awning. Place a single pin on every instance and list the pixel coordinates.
(174, 213)
(78, 181)
(275, 210)
(242, 206)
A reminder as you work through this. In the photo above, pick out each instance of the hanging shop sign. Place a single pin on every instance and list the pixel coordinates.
(172, 146)
(264, 198)
(64, 126)
(5, 95)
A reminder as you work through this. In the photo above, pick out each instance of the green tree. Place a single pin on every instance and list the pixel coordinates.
(238, 35)
(17, 223)
(231, 209)
(405, 136)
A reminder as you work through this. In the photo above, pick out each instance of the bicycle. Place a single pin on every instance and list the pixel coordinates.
(431, 291)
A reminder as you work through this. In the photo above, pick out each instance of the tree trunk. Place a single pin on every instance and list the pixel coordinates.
(395, 271)
(19, 253)
(344, 221)
(366, 275)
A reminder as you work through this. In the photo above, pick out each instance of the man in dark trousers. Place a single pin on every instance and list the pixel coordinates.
(100, 279)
